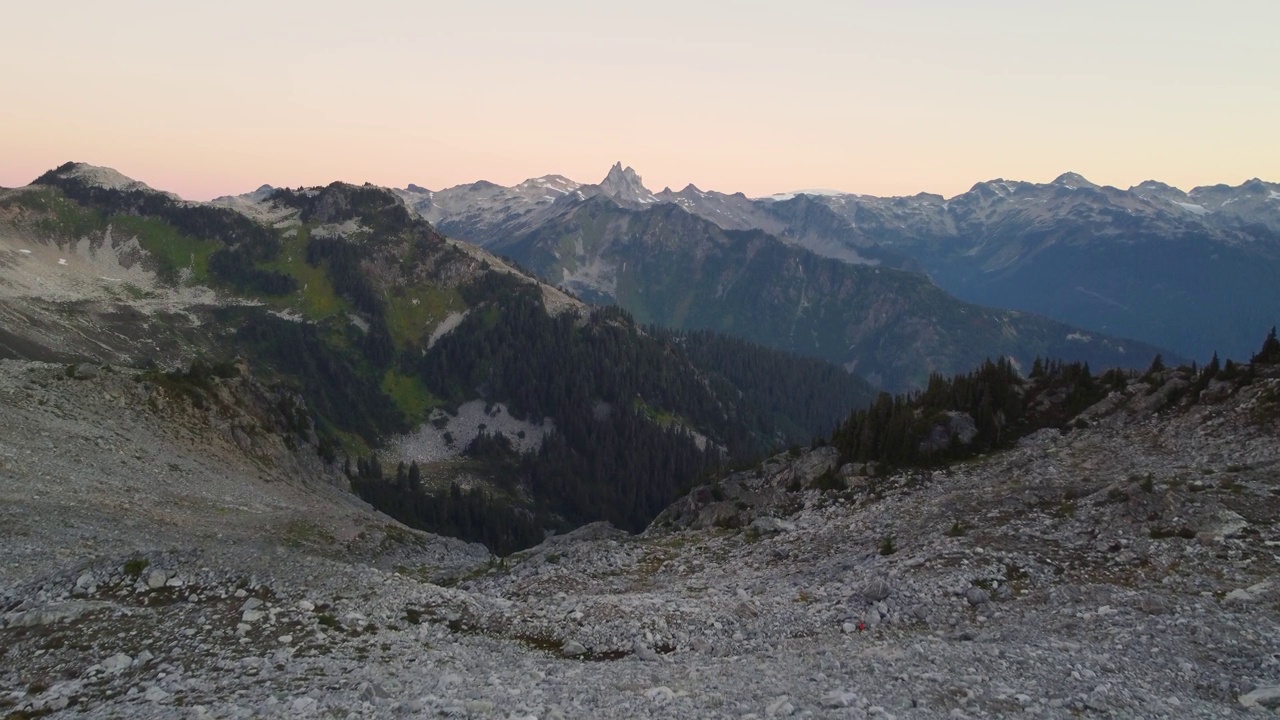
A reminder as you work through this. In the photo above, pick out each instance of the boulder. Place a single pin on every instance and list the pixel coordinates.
(877, 590)
(1265, 697)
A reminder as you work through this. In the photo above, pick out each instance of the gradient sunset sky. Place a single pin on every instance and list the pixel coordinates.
(884, 98)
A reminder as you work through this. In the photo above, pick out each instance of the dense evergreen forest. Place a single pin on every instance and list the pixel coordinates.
(624, 402)
(972, 413)
(471, 514)
(806, 391)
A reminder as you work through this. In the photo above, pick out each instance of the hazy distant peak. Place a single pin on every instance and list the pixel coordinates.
(417, 189)
(555, 183)
(1072, 180)
(819, 192)
(1152, 186)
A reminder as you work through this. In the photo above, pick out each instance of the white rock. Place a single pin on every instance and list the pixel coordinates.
(1267, 697)
(839, 699)
(660, 695)
(156, 694)
(117, 663)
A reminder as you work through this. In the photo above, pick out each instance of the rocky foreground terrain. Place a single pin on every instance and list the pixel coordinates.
(167, 557)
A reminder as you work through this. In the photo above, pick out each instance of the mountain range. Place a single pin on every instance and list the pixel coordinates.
(1195, 272)
(501, 406)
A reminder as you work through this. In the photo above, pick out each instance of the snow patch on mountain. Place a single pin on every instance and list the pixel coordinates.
(817, 192)
(444, 436)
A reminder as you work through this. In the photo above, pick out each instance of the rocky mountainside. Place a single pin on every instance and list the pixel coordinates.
(514, 408)
(1193, 271)
(1123, 567)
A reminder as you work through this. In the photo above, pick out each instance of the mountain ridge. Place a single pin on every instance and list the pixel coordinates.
(1075, 251)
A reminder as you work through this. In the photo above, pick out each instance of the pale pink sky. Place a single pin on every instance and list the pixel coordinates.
(218, 98)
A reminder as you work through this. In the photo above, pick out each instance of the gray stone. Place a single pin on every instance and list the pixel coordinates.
(643, 652)
(372, 692)
(839, 699)
(1222, 524)
(977, 596)
(117, 663)
(877, 590)
(1238, 596)
(1154, 605)
(771, 526)
(156, 694)
(84, 371)
(780, 707)
(157, 579)
(1267, 697)
(573, 648)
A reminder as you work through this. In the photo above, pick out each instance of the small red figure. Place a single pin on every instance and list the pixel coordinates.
(862, 626)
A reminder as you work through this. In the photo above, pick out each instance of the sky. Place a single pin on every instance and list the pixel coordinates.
(207, 99)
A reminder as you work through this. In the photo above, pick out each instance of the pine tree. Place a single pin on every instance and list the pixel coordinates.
(1270, 352)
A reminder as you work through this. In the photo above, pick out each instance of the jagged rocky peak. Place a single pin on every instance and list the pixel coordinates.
(417, 189)
(624, 184)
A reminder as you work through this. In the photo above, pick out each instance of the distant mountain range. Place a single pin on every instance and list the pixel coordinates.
(1194, 271)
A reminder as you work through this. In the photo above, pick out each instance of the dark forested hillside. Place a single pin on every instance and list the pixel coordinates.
(638, 415)
(804, 392)
(971, 413)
